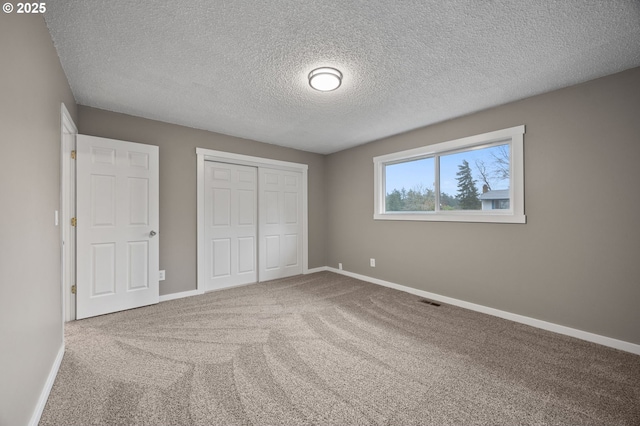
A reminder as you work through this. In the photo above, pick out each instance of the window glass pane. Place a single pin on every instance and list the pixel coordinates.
(476, 179)
(409, 186)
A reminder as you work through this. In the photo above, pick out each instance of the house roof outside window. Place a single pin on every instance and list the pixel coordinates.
(498, 194)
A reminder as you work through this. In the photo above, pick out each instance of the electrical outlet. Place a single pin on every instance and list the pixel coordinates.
(161, 275)
(372, 262)
(340, 266)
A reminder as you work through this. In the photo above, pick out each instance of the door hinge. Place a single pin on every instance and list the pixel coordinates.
(73, 155)
(73, 289)
(74, 222)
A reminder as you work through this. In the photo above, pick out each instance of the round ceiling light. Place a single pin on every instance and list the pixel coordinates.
(325, 79)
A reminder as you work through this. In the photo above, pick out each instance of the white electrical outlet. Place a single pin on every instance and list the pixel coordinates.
(372, 262)
(340, 266)
(161, 275)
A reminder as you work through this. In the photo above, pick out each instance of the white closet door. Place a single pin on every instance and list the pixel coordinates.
(230, 225)
(117, 222)
(280, 223)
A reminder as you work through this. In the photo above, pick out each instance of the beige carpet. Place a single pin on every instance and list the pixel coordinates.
(328, 349)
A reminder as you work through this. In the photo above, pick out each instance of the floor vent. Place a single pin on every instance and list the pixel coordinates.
(429, 302)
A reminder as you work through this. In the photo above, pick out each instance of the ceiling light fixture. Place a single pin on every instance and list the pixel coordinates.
(325, 79)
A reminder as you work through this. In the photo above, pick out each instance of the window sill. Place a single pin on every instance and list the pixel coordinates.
(454, 217)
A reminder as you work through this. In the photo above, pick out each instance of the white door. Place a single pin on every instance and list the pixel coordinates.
(280, 223)
(230, 225)
(117, 225)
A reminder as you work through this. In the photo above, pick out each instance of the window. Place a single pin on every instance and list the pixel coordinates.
(473, 179)
(500, 204)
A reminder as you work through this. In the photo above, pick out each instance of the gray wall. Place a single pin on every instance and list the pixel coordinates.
(577, 260)
(32, 86)
(178, 184)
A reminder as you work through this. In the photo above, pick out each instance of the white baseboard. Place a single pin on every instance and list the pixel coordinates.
(172, 296)
(46, 390)
(549, 326)
(314, 270)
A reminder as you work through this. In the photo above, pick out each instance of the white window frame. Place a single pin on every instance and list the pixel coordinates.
(513, 136)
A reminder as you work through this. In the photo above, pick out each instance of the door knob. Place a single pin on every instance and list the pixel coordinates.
(152, 233)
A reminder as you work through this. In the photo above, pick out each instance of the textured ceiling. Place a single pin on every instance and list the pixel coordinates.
(240, 67)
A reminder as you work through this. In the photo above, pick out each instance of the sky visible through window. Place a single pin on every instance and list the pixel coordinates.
(421, 173)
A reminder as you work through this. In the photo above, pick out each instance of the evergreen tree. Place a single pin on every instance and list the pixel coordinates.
(420, 199)
(448, 202)
(417, 199)
(394, 201)
(467, 191)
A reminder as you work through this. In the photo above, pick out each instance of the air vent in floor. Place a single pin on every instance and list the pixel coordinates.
(429, 302)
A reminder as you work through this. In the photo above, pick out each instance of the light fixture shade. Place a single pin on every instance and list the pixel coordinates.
(325, 79)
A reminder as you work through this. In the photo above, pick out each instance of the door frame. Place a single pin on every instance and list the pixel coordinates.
(203, 155)
(68, 132)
